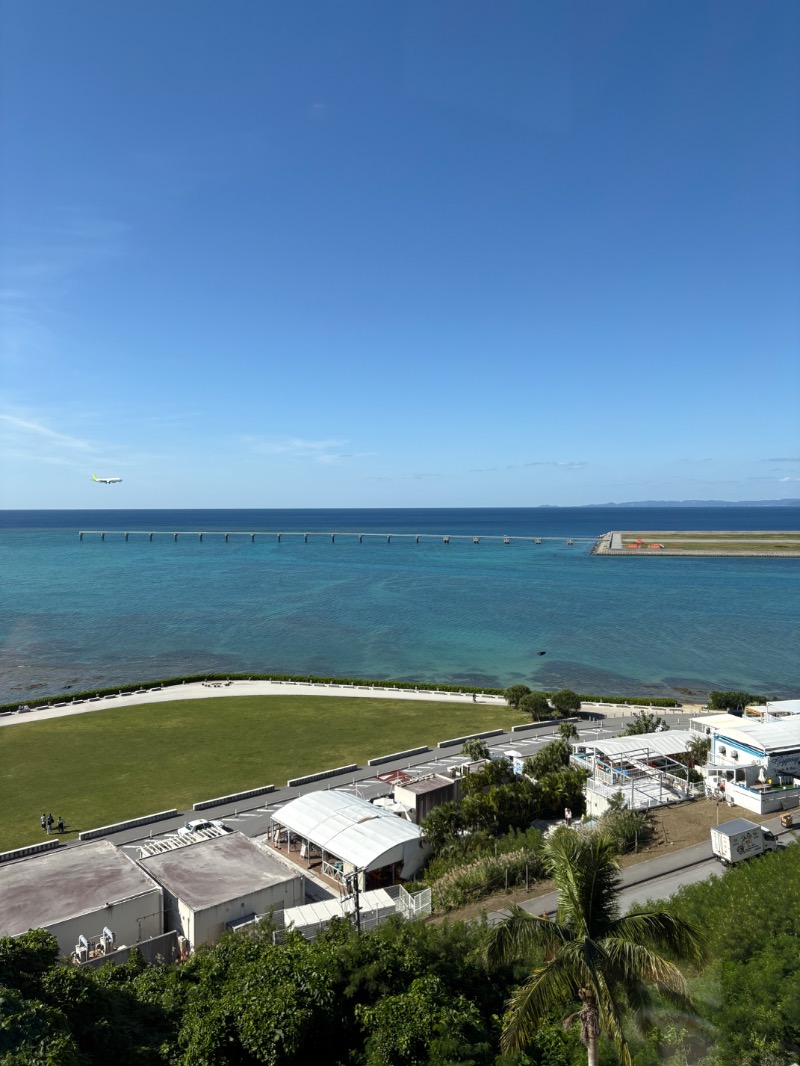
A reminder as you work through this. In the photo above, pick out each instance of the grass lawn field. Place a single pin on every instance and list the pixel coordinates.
(106, 766)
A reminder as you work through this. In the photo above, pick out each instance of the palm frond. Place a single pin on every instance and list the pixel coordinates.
(631, 964)
(665, 931)
(550, 987)
(585, 869)
(610, 1012)
(516, 936)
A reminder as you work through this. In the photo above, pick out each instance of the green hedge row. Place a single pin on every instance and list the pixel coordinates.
(636, 701)
(310, 678)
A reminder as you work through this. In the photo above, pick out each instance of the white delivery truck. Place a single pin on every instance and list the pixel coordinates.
(740, 839)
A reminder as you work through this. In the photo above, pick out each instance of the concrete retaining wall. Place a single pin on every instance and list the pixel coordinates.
(106, 830)
(397, 755)
(203, 804)
(541, 725)
(471, 736)
(295, 781)
(31, 849)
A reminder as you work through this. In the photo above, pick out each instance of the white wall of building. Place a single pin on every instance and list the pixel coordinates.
(206, 926)
(130, 920)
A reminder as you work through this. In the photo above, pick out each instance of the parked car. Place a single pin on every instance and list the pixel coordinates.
(199, 824)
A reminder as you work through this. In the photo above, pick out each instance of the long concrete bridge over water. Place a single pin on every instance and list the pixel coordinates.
(445, 538)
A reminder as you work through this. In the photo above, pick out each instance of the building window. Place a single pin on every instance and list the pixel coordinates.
(723, 750)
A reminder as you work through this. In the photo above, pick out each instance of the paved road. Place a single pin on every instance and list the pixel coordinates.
(660, 877)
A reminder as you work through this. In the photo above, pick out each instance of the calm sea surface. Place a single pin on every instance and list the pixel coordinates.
(78, 614)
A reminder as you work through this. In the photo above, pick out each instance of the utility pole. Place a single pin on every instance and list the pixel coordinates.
(354, 889)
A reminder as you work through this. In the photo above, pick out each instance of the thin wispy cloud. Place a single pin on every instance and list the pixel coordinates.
(567, 464)
(18, 429)
(330, 450)
(403, 477)
(35, 438)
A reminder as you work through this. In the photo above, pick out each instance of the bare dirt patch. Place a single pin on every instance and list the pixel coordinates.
(674, 827)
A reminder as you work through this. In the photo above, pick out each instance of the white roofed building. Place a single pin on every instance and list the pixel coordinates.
(349, 835)
(757, 759)
(772, 709)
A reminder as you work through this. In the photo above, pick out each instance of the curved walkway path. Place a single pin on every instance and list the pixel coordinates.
(215, 689)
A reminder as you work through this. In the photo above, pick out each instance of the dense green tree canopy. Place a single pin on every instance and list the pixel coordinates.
(644, 722)
(514, 693)
(537, 706)
(566, 701)
(735, 700)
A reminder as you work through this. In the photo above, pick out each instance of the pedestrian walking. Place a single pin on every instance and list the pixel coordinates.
(50, 821)
(568, 816)
(43, 820)
(60, 824)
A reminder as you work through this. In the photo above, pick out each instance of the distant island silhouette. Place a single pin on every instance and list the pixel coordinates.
(700, 503)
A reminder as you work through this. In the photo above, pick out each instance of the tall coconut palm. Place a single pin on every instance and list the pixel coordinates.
(610, 964)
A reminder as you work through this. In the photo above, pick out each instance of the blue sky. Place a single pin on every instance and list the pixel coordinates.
(399, 254)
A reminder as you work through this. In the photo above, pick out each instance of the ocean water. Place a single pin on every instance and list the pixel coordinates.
(95, 613)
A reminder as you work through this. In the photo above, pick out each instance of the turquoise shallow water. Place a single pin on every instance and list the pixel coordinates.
(95, 613)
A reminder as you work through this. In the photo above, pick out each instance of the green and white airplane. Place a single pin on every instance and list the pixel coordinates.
(106, 480)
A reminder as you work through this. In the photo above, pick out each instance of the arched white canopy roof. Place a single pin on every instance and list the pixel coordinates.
(355, 831)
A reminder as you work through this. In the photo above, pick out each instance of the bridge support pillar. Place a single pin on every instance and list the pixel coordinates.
(150, 536)
(174, 536)
(445, 540)
(279, 537)
(102, 536)
(305, 538)
(476, 540)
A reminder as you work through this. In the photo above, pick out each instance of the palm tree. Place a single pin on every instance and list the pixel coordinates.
(567, 731)
(697, 750)
(591, 954)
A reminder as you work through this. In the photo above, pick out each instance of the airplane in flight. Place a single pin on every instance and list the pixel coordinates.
(106, 480)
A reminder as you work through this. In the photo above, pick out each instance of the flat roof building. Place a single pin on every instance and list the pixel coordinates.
(79, 891)
(212, 884)
(420, 796)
